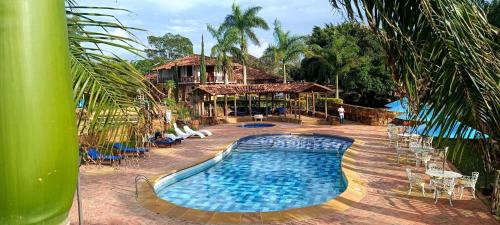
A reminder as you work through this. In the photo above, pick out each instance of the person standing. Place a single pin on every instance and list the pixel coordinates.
(341, 114)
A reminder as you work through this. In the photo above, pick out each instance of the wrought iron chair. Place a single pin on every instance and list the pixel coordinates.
(415, 179)
(469, 182)
(445, 185)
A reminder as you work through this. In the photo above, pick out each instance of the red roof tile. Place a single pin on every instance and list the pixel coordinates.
(219, 89)
(186, 61)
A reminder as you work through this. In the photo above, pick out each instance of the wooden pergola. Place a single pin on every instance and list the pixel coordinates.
(295, 91)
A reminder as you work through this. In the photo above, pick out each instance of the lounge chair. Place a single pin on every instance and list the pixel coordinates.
(205, 132)
(124, 149)
(165, 142)
(173, 137)
(193, 133)
(95, 156)
(181, 133)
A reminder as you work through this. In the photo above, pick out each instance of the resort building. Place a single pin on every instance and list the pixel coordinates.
(188, 69)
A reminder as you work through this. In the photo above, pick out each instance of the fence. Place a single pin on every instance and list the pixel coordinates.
(366, 115)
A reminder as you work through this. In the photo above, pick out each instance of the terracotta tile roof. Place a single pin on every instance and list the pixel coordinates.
(219, 89)
(186, 61)
(255, 75)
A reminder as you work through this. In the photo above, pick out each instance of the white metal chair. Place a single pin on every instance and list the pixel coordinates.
(402, 149)
(446, 185)
(415, 179)
(469, 182)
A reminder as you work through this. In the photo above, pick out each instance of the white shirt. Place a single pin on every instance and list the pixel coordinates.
(341, 111)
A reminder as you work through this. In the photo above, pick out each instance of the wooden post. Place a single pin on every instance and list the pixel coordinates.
(313, 104)
(259, 103)
(295, 107)
(326, 108)
(284, 103)
(267, 95)
(235, 107)
(210, 107)
(215, 106)
(203, 105)
(250, 104)
(299, 107)
(307, 104)
(272, 101)
(225, 105)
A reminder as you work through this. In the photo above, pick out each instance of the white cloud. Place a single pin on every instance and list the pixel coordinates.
(257, 51)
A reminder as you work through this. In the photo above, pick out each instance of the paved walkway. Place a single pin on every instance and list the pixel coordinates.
(108, 194)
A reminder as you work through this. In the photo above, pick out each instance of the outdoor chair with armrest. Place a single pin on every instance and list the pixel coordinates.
(469, 182)
(415, 179)
(446, 185)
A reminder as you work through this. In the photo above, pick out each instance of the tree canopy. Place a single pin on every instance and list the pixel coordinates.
(352, 53)
(287, 49)
(163, 48)
(169, 47)
(244, 21)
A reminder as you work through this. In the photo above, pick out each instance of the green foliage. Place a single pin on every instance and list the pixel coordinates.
(170, 103)
(492, 10)
(169, 47)
(244, 21)
(183, 113)
(288, 48)
(351, 53)
(224, 50)
(334, 100)
(144, 66)
(447, 60)
(203, 72)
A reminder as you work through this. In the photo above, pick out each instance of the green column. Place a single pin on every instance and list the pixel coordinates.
(38, 160)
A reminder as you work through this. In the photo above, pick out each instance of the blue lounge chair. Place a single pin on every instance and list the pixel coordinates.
(281, 110)
(94, 155)
(125, 149)
(165, 142)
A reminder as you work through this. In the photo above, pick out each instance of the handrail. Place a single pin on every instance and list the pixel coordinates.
(142, 177)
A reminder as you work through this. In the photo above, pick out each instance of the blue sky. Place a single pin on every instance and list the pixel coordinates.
(190, 17)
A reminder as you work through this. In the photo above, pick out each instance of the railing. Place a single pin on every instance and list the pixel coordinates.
(366, 115)
(144, 178)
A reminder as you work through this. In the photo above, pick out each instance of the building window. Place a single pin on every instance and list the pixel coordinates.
(189, 71)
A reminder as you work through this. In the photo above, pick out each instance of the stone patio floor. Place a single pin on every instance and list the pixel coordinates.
(109, 194)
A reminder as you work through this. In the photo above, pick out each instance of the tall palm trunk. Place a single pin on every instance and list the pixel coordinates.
(38, 166)
(224, 73)
(284, 73)
(244, 52)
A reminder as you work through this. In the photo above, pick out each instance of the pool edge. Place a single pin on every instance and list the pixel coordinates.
(355, 191)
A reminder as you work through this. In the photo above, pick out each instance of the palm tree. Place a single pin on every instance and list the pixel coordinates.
(335, 59)
(443, 55)
(225, 49)
(244, 22)
(288, 48)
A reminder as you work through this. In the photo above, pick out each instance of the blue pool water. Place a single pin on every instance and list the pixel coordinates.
(265, 173)
(256, 125)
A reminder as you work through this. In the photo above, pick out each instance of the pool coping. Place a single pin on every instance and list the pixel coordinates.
(355, 191)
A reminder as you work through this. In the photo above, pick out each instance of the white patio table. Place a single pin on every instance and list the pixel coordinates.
(443, 174)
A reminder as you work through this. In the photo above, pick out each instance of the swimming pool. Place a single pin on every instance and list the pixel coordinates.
(256, 125)
(262, 174)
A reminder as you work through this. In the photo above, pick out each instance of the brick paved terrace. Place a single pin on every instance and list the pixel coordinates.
(109, 194)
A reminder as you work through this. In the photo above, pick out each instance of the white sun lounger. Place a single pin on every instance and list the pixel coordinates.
(180, 133)
(205, 132)
(187, 133)
(193, 133)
